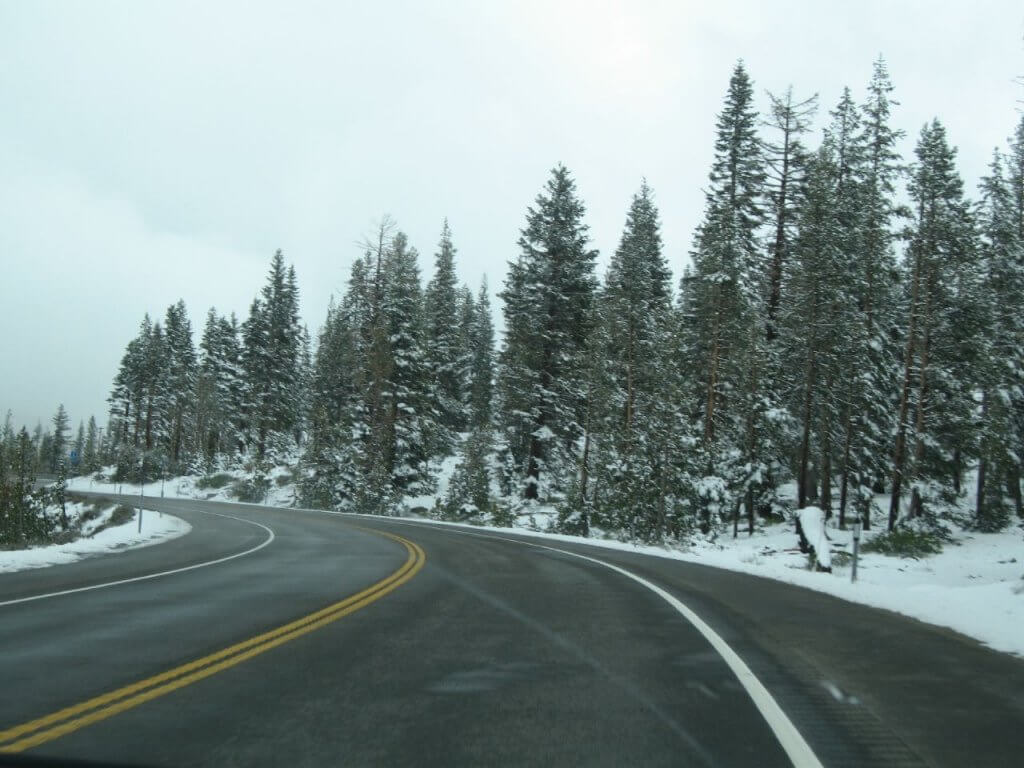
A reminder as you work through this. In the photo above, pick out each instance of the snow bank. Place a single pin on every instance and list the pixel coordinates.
(156, 528)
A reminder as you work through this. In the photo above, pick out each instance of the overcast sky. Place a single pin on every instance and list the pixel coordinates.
(155, 151)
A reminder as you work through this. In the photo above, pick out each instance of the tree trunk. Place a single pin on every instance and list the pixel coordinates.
(709, 413)
(866, 515)
(899, 446)
(149, 424)
(845, 473)
(826, 458)
(533, 465)
(585, 461)
(922, 403)
(979, 510)
(775, 280)
(630, 355)
(916, 505)
(1013, 483)
(805, 442)
(750, 510)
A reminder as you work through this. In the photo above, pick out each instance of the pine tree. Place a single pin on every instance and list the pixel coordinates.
(44, 454)
(78, 447)
(6, 484)
(91, 449)
(180, 376)
(1000, 368)
(140, 395)
(882, 169)
(481, 364)
(373, 420)
(22, 460)
(813, 297)
(628, 382)
(727, 260)
(125, 394)
(408, 393)
(464, 352)
(931, 401)
(1015, 181)
(218, 390)
(59, 450)
(843, 167)
(271, 362)
(469, 492)
(443, 348)
(296, 363)
(335, 456)
(786, 164)
(548, 297)
(868, 371)
(158, 391)
(726, 300)
(59, 493)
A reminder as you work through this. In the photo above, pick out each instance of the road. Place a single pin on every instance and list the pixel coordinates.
(325, 640)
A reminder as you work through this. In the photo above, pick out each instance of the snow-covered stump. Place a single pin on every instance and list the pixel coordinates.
(810, 527)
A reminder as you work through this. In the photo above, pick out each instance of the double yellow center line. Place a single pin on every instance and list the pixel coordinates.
(69, 719)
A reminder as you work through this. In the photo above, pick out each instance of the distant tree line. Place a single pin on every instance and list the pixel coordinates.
(27, 513)
(851, 324)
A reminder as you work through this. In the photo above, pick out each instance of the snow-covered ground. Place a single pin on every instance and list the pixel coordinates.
(156, 528)
(975, 585)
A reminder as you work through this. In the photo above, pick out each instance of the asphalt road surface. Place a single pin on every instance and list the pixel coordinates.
(324, 640)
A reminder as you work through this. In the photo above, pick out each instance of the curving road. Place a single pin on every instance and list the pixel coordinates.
(325, 640)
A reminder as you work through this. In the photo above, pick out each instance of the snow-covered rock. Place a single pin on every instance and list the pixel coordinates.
(812, 523)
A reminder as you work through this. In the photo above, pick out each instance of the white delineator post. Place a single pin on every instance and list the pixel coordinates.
(856, 548)
(142, 488)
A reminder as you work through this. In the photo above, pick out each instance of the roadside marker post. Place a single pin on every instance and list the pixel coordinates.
(856, 548)
(142, 488)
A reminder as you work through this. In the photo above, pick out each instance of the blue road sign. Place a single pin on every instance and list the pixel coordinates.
(74, 456)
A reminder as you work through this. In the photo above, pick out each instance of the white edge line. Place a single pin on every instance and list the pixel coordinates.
(790, 739)
(798, 750)
(258, 547)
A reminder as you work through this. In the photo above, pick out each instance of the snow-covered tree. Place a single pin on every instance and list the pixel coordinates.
(469, 492)
(408, 424)
(180, 376)
(726, 304)
(91, 448)
(1000, 360)
(444, 351)
(272, 363)
(785, 160)
(548, 297)
(218, 390)
(59, 449)
(630, 432)
(934, 406)
(481, 363)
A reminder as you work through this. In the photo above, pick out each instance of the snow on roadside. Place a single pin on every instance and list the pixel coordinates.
(156, 529)
(975, 586)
